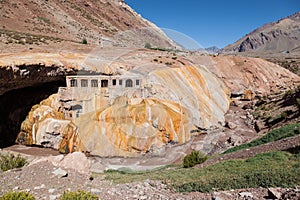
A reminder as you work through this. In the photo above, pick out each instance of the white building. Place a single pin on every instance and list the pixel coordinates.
(88, 93)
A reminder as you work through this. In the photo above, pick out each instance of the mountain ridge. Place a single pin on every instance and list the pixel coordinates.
(279, 36)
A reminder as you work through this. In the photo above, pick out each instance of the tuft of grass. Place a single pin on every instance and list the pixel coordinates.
(275, 135)
(273, 169)
(10, 161)
(79, 195)
(17, 196)
(43, 19)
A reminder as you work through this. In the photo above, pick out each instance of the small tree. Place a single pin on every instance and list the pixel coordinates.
(84, 41)
(196, 157)
(148, 45)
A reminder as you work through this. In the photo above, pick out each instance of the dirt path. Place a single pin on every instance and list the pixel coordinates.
(280, 145)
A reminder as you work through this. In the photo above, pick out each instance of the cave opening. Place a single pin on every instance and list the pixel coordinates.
(16, 104)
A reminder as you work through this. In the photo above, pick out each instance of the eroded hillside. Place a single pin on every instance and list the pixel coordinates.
(100, 22)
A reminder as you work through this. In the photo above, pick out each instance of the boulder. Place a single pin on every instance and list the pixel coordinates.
(231, 125)
(274, 193)
(46, 126)
(76, 161)
(258, 126)
(60, 173)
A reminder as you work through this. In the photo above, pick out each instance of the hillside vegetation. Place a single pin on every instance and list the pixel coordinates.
(274, 169)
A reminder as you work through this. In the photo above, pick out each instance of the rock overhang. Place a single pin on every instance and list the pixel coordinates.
(171, 88)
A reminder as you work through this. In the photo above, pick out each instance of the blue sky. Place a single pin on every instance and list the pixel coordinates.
(214, 23)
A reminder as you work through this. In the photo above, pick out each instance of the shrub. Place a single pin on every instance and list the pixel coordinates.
(84, 41)
(148, 45)
(17, 196)
(79, 195)
(10, 161)
(196, 157)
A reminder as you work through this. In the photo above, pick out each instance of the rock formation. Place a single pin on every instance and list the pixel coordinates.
(45, 126)
(248, 77)
(181, 98)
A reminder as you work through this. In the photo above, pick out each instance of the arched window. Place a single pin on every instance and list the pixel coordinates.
(73, 83)
(129, 83)
(94, 83)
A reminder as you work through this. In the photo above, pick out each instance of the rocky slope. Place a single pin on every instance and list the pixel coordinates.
(273, 37)
(248, 77)
(100, 22)
(48, 177)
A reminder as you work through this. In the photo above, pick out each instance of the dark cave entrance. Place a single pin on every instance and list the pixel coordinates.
(16, 104)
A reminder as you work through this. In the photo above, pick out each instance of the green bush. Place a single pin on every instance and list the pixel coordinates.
(10, 161)
(17, 196)
(196, 157)
(79, 195)
(84, 41)
(148, 45)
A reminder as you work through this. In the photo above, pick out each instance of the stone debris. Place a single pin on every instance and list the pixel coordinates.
(54, 197)
(51, 190)
(39, 187)
(60, 173)
(274, 193)
(47, 186)
(231, 125)
(246, 195)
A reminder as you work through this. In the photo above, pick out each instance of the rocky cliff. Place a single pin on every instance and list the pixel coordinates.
(273, 37)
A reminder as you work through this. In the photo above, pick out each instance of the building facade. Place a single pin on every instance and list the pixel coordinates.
(87, 93)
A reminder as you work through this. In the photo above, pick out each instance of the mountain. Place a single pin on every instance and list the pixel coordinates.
(106, 22)
(213, 49)
(274, 37)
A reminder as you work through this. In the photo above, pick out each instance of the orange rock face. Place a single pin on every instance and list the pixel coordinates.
(174, 101)
(46, 126)
(127, 130)
(178, 100)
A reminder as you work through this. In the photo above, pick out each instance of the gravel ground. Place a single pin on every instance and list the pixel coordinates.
(39, 180)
